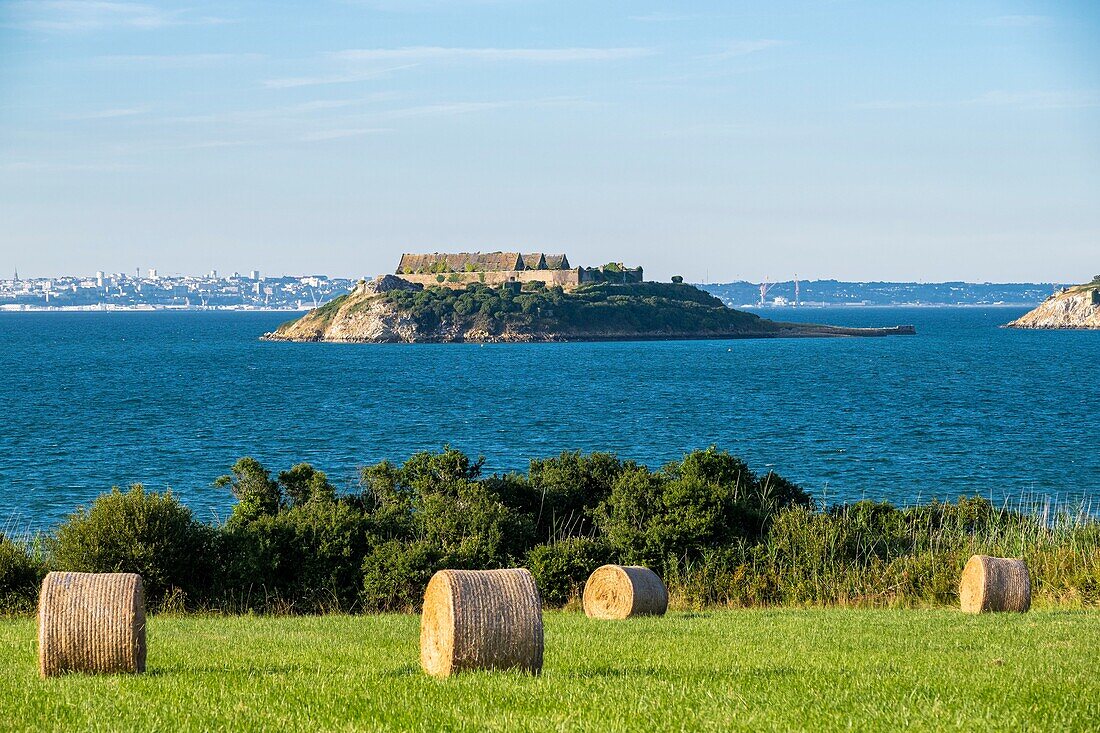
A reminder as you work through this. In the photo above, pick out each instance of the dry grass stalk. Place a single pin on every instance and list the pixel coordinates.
(91, 622)
(995, 584)
(481, 619)
(622, 591)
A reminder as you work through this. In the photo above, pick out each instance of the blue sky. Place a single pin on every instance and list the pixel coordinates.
(717, 140)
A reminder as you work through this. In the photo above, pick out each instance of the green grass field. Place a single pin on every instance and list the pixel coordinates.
(715, 670)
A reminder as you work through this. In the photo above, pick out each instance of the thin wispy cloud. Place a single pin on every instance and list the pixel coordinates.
(267, 140)
(1016, 21)
(314, 121)
(898, 104)
(1056, 99)
(64, 167)
(662, 17)
(744, 48)
(90, 15)
(284, 113)
(418, 6)
(1025, 100)
(360, 60)
(538, 55)
(205, 145)
(178, 61)
(444, 109)
(315, 116)
(340, 134)
(317, 136)
(340, 78)
(706, 129)
(107, 114)
(449, 109)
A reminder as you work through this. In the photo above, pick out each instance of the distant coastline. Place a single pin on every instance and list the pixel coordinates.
(146, 309)
(297, 294)
(872, 306)
(251, 309)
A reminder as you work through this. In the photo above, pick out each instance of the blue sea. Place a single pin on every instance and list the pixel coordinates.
(172, 399)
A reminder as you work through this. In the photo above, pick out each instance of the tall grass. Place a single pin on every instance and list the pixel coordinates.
(874, 555)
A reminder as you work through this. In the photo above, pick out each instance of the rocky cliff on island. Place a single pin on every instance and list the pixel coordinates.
(1076, 308)
(390, 309)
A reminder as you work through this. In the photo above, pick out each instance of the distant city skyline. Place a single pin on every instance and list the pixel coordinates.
(253, 291)
(849, 140)
(153, 274)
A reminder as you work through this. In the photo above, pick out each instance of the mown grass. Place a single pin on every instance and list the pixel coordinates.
(717, 670)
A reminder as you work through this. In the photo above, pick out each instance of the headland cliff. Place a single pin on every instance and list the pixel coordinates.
(1074, 308)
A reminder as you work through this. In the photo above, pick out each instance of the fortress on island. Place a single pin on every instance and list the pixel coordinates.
(460, 269)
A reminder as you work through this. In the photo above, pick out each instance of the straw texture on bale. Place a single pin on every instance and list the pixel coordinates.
(91, 622)
(995, 584)
(622, 591)
(481, 619)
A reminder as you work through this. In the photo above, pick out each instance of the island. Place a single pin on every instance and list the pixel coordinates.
(512, 297)
(1076, 307)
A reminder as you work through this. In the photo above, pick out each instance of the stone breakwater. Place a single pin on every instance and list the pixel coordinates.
(1075, 308)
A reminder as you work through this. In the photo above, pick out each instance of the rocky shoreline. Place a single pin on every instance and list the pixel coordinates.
(1076, 308)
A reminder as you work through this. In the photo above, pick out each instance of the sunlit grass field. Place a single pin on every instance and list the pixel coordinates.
(716, 670)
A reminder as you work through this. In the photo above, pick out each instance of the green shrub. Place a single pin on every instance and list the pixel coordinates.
(256, 494)
(665, 307)
(709, 499)
(303, 483)
(256, 558)
(331, 539)
(139, 532)
(561, 568)
(20, 577)
(437, 498)
(290, 543)
(395, 575)
(567, 489)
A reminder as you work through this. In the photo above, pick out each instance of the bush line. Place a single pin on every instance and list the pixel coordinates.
(716, 532)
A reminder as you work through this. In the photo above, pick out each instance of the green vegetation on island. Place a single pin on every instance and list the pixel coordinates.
(391, 309)
(614, 308)
(719, 534)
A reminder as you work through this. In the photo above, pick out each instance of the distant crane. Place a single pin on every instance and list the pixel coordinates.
(764, 288)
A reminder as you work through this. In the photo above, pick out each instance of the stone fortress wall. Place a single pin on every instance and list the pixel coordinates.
(457, 270)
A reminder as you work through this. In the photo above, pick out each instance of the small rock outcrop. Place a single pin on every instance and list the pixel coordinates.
(1073, 308)
(386, 283)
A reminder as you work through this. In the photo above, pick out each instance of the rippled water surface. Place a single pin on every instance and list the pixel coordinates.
(91, 400)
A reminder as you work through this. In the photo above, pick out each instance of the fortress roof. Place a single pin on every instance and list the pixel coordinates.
(479, 262)
(534, 261)
(460, 262)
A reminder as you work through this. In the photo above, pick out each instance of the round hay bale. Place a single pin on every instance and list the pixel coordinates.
(622, 591)
(995, 584)
(481, 619)
(91, 622)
